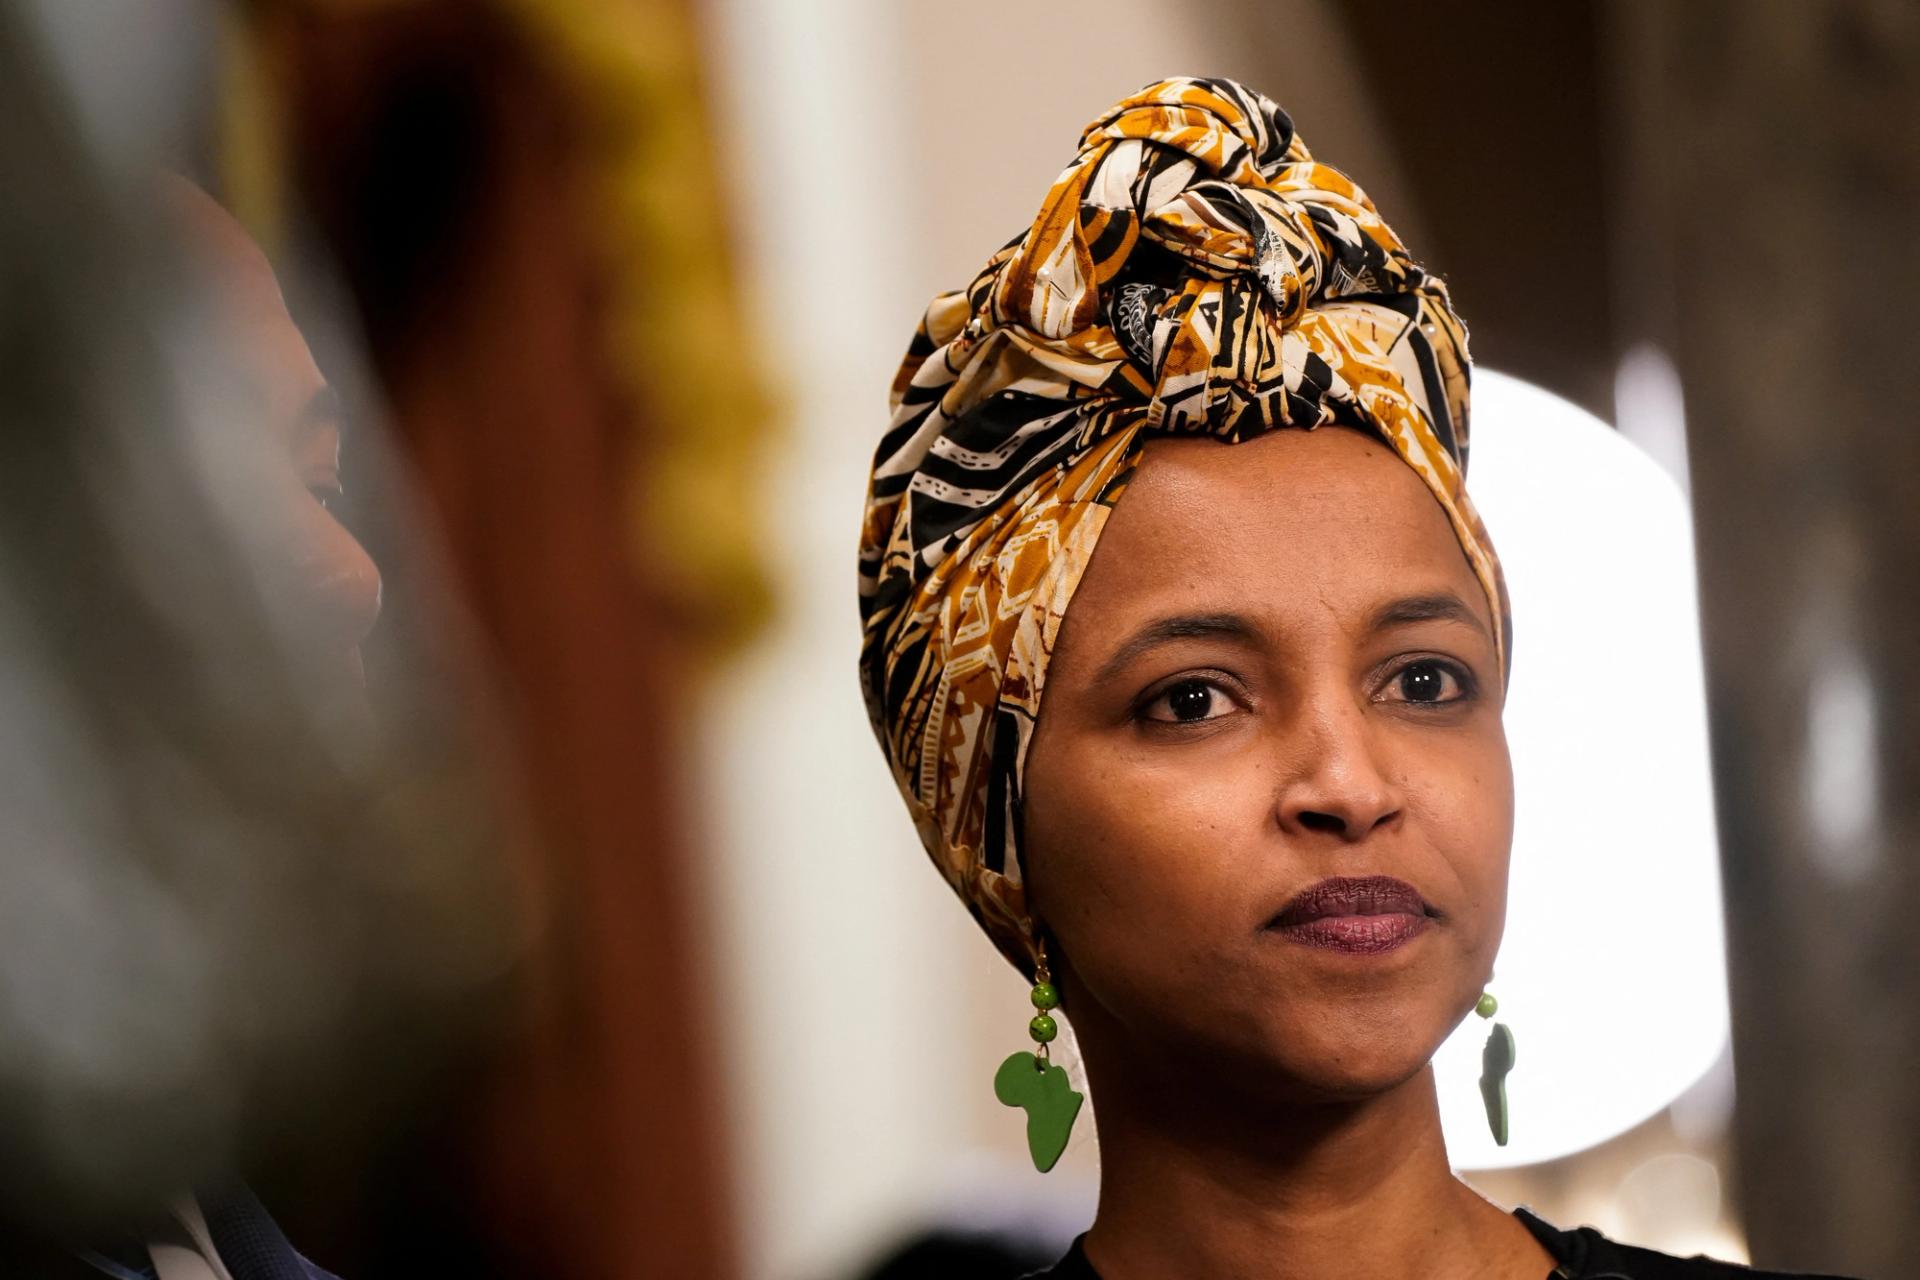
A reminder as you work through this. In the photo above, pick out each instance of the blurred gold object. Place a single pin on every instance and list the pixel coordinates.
(674, 321)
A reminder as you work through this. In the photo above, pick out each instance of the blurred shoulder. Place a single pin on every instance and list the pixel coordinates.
(1585, 1254)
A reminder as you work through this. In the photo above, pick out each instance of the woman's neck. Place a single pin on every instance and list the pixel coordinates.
(1195, 1186)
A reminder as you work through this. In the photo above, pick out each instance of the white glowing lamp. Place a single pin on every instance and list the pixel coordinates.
(1613, 972)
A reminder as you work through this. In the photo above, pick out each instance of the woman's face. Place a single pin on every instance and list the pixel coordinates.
(1269, 802)
(320, 566)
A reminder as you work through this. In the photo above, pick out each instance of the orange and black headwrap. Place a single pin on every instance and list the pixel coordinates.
(1196, 271)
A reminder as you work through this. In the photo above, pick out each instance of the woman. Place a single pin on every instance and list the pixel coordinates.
(1256, 846)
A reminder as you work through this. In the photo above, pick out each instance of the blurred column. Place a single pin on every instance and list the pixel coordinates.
(1769, 186)
(1493, 113)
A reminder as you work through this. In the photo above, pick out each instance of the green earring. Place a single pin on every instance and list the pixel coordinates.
(1496, 1060)
(1031, 1081)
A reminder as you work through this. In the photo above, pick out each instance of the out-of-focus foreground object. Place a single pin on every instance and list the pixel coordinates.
(522, 200)
(1770, 192)
(244, 919)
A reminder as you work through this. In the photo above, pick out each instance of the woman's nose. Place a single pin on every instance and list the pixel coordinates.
(1332, 780)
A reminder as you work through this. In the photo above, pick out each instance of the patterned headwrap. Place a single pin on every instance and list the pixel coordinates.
(1193, 271)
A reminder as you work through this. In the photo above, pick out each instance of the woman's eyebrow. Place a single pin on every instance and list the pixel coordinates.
(1186, 626)
(1441, 606)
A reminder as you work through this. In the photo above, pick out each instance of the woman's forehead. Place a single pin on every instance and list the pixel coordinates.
(1328, 517)
(1333, 490)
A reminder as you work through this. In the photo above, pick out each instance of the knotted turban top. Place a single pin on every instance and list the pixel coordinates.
(1193, 271)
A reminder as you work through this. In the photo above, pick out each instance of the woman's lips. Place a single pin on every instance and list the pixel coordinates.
(1365, 915)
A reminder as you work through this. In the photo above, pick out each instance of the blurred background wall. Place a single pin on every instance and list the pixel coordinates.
(1795, 371)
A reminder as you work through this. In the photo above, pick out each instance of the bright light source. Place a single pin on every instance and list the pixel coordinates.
(1613, 973)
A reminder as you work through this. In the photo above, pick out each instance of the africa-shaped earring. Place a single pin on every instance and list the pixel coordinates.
(1030, 1080)
(1496, 1060)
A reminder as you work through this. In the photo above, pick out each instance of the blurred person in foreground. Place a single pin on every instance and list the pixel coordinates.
(249, 929)
(262, 357)
(1255, 840)
(317, 579)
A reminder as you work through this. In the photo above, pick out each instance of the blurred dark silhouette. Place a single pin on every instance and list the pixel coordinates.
(948, 1254)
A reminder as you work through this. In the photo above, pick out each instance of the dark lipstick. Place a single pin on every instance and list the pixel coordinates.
(1364, 915)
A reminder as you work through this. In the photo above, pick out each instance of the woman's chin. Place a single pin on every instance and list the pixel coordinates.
(1362, 1085)
(1345, 1068)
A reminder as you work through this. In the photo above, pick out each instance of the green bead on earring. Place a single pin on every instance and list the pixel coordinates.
(1031, 1081)
(1496, 1060)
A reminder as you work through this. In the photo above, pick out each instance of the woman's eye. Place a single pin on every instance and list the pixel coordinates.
(1190, 701)
(1427, 682)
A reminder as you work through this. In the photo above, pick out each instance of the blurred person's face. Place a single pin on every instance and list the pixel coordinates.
(268, 361)
(1269, 803)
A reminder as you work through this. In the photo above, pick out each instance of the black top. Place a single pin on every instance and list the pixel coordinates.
(1583, 1254)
